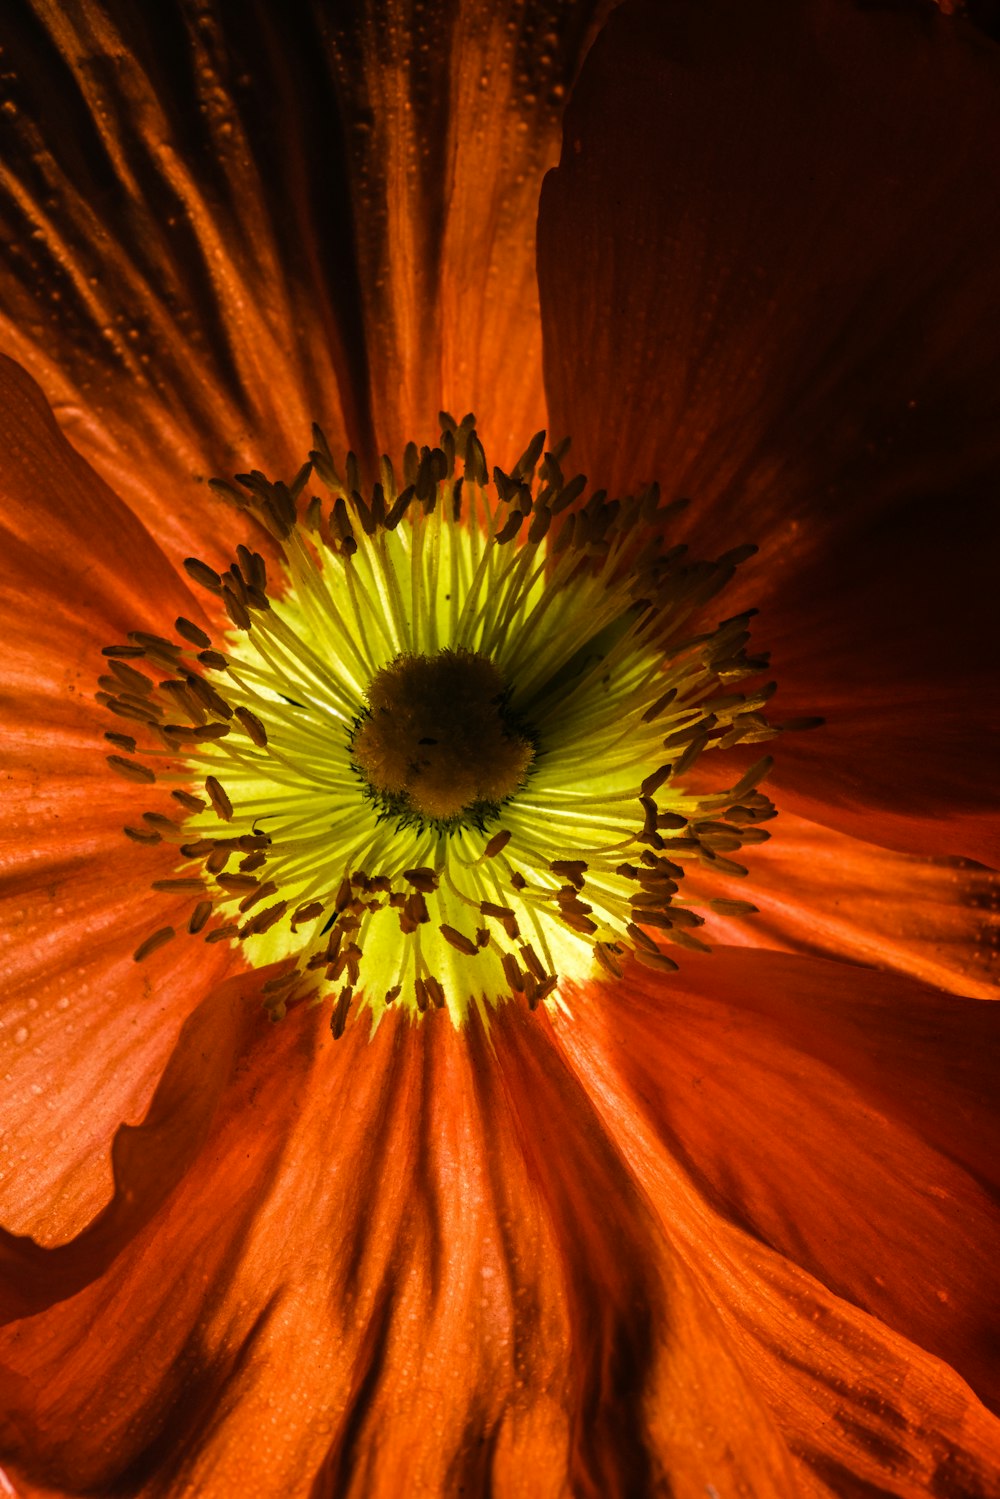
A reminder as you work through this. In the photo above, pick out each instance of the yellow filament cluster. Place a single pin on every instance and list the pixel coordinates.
(594, 625)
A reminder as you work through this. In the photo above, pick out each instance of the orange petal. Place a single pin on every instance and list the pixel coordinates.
(452, 1231)
(451, 1282)
(778, 260)
(84, 1030)
(148, 1160)
(778, 245)
(819, 891)
(892, 642)
(72, 553)
(850, 1257)
(766, 1077)
(453, 115)
(171, 195)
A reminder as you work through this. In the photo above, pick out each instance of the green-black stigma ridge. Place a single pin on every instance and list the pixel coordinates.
(438, 760)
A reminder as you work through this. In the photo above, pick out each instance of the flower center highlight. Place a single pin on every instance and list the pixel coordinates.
(437, 755)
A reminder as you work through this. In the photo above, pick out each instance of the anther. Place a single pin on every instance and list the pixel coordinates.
(192, 632)
(458, 940)
(338, 1020)
(154, 943)
(220, 801)
(199, 916)
(189, 800)
(253, 726)
(131, 770)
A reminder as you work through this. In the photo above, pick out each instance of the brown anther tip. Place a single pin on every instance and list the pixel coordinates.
(253, 726)
(283, 981)
(164, 825)
(192, 632)
(607, 959)
(134, 681)
(497, 843)
(154, 643)
(672, 820)
(657, 960)
(152, 944)
(130, 770)
(415, 909)
(237, 884)
(652, 783)
(338, 1020)
(510, 528)
(435, 991)
(458, 940)
(547, 988)
(532, 962)
(236, 610)
(188, 800)
(490, 908)
(143, 835)
(199, 916)
(308, 912)
(269, 887)
(220, 801)
(265, 920)
(214, 660)
(512, 971)
(221, 933)
(203, 574)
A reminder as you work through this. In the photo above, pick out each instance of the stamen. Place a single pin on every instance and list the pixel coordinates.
(439, 758)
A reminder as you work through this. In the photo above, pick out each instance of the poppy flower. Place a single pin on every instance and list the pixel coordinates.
(618, 1226)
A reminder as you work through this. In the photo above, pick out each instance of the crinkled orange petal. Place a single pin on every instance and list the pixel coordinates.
(85, 1031)
(794, 1148)
(416, 1265)
(780, 226)
(848, 1252)
(172, 198)
(148, 1160)
(77, 566)
(822, 892)
(452, 115)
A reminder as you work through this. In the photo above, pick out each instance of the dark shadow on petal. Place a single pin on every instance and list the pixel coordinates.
(781, 222)
(844, 1118)
(203, 1387)
(149, 1160)
(182, 278)
(339, 1467)
(603, 1225)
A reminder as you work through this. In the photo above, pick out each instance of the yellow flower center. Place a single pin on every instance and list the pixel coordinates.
(440, 761)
